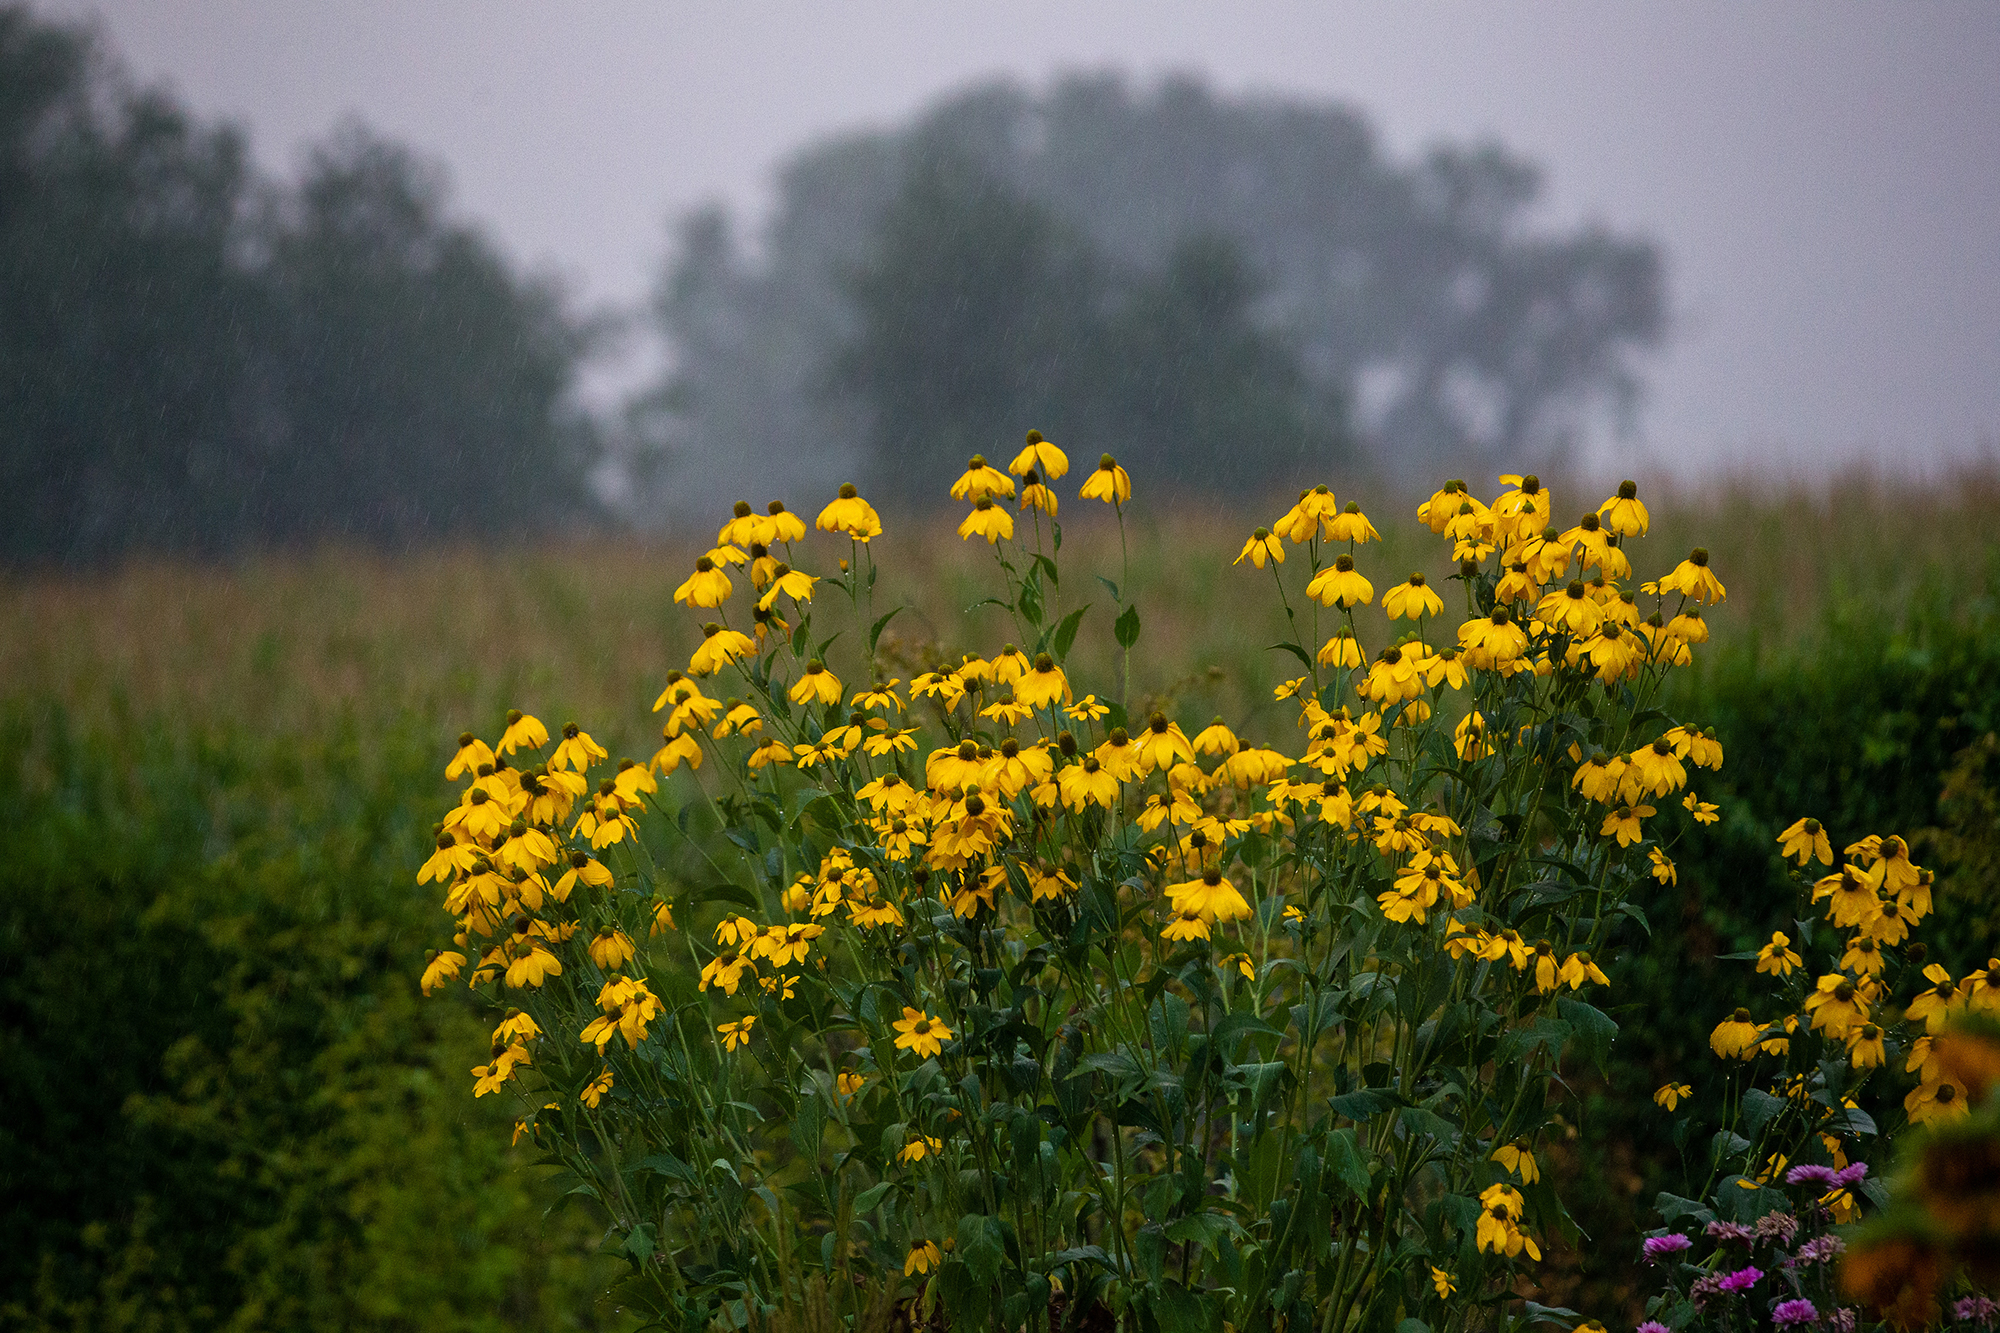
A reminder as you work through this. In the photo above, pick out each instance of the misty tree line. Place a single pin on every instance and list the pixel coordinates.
(194, 358)
(1234, 293)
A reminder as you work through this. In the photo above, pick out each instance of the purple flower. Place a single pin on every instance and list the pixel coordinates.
(1742, 1279)
(1790, 1313)
(1811, 1175)
(1840, 1321)
(1652, 1326)
(1819, 1250)
(1975, 1310)
(1661, 1247)
(1729, 1231)
(1848, 1175)
(1704, 1289)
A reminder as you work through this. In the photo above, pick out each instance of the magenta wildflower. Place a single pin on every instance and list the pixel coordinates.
(1652, 1326)
(1851, 1174)
(1791, 1313)
(1811, 1174)
(1742, 1279)
(1660, 1247)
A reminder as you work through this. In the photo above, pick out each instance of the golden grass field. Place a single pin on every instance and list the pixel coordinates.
(587, 629)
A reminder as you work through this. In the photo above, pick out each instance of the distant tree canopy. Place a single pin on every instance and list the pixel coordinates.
(195, 359)
(981, 310)
(1231, 291)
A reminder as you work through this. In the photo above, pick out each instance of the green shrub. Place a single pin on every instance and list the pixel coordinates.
(1861, 724)
(225, 1107)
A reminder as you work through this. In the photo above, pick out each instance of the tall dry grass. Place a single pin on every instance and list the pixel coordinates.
(284, 644)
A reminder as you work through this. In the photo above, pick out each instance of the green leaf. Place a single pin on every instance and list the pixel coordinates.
(1205, 1229)
(1636, 913)
(1595, 1029)
(639, 1244)
(802, 798)
(1417, 1121)
(871, 1198)
(1727, 1143)
(665, 1164)
(725, 893)
(1178, 1310)
(1760, 1108)
(808, 1121)
(1672, 1207)
(1364, 1102)
(1519, 1044)
(1149, 1246)
(1294, 650)
(1343, 1155)
(875, 630)
(1125, 1071)
(1029, 603)
(1112, 587)
(1065, 634)
(1127, 627)
(1550, 1314)
(981, 1247)
(1741, 1199)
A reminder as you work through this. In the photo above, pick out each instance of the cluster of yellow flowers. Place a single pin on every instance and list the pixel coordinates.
(989, 808)
(1876, 898)
(509, 870)
(950, 824)
(953, 831)
(1499, 1230)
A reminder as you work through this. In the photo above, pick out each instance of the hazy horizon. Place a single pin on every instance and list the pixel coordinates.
(1823, 180)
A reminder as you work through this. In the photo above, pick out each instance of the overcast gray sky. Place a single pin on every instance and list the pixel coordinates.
(1824, 177)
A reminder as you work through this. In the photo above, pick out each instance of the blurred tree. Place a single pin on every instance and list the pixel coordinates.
(973, 313)
(421, 387)
(980, 310)
(1198, 393)
(192, 359)
(125, 320)
(1413, 295)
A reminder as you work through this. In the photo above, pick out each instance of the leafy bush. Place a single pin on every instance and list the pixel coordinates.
(226, 1109)
(1878, 718)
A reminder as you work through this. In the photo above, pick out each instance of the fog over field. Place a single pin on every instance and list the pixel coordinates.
(1820, 179)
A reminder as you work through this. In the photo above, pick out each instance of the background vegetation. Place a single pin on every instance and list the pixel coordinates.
(1234, 294)
(224, 1106)
(196, 358)
(227, 1106)
(1149, 268)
